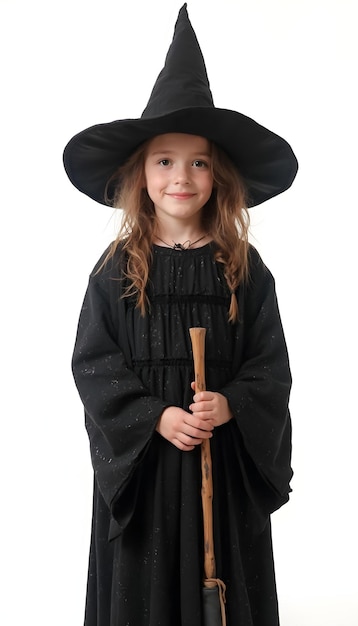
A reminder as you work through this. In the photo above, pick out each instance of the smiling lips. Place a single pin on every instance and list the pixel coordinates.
(181, 196)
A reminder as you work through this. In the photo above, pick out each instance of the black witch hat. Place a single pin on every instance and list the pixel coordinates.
(181, 102)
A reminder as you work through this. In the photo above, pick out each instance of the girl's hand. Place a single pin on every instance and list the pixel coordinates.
(184, 430)
(211, 407)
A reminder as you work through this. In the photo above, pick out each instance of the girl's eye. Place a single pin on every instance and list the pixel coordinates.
(164, 162)
(198, 163)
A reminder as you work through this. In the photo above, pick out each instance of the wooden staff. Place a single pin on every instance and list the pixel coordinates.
(197, 336)
(214, 588)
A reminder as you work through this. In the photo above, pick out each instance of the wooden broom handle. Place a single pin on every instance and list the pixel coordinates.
(197, 336)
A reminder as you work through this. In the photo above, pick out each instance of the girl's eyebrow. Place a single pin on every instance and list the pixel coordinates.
(162, 152)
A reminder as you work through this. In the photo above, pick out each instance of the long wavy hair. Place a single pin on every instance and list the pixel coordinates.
(225, 219)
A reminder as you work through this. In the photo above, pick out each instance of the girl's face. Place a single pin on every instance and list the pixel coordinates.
(178, 175)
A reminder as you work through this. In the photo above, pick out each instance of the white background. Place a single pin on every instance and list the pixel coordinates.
(292, 66)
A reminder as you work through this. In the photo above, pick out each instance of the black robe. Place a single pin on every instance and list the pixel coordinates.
(146, 557)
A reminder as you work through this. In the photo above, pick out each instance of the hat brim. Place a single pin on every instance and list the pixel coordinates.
(265, 160)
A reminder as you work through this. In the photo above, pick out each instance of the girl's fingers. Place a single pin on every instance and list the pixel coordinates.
(182, 446)
(197, 433)
(200, 422)
(197, 407)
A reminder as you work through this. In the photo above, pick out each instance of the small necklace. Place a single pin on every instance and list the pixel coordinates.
(182, 246)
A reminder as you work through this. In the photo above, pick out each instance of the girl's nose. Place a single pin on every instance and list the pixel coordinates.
(181, 175)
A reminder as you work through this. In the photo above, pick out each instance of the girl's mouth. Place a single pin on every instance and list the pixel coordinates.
(181, 196)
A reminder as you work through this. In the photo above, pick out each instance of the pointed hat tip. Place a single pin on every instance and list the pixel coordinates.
(184, 9)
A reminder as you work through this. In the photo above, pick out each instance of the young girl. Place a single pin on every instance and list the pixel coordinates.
(183, 175)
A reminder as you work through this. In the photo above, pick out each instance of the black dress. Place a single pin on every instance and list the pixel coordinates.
(146, 559)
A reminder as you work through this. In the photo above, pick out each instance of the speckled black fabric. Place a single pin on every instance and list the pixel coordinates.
(146, 558)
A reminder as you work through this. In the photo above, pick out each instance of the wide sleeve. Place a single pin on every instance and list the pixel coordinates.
(121, 415)
(259, 394)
